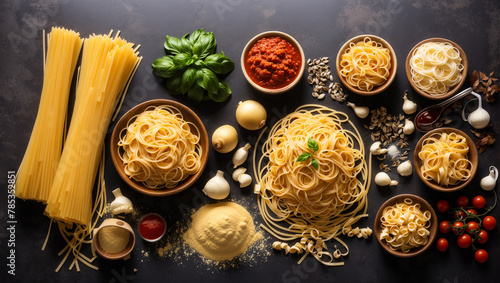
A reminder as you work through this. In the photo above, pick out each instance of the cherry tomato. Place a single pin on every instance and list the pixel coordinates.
(478, 202)
(489, 223)
(464, 241)
(472, 211)
(462, 201)
(459, 214)
(458, 228)
(443, 205)
(444, 226)
(442, 244)
(481, 256)
(483, 237)
(472, 225)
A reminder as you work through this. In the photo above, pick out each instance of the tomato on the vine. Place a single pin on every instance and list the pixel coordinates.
(478, 202)
(464, 241)
(483, 237)
(489, 223)
(472, 211)
(458, 228)
(443, 205)
(481, 256)
(471, 225)
(442, 244)
(459, 214)
(463, 201)
(444, 226)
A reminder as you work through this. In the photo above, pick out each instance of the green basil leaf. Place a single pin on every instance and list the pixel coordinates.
(207, 80)
(312, 144)
(195, 35)
(219, 63)
(304, 157)
(195, 94)
(315, 163)
(181, 59)
(174, 84)
(187, 80)
(222, 94)
(199, 62)
(164, 67)
(173, 45)
(205, 45)
(186, 46)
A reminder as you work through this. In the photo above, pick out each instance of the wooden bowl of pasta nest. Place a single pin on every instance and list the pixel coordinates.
(432, 223)
(452, 89)
(472, 156)
(120, 131)
(379, 86)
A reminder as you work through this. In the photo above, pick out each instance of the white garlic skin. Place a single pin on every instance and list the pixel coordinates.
(409, 107)
(360, 111)
(405, 168)
(217, 187)
(479, 118)
(382, 179)
(241, 155)
(238, 172)
(121, 204)
(409, 127)
(489, 182)
(245, 180)
(376, 148)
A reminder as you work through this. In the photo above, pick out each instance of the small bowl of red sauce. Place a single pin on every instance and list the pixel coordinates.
(273, 62)
(152, 227)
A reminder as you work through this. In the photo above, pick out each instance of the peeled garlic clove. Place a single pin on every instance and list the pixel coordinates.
(405, 168)
(238, 172)
(409, 107)
(376, 148)
(245, 180)
(409, 127)
(360, 111)
(241, 155)
(382, 179)
(489, 182)
(217, 187)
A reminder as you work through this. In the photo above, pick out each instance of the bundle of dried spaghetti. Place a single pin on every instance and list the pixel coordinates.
(313, 180)
(107, 66)
(38, 167)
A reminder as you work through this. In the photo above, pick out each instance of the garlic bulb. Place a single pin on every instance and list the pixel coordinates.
(360, 111)
(489, 182)
(251, 115)
(478, 118)
(405, 168)
(238, 172)
(225, 138)
(409, 107)
(121, 204)
(217, 187)
(245, 180)
(382, 179)
(241, 155)
(376, 148)
(409, 127)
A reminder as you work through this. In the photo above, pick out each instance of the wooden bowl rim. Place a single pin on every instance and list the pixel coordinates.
(424, 205)
(189, 115)
(472, 156)
(465, 63)
(393, 71)
(284, 36)
(114, 222)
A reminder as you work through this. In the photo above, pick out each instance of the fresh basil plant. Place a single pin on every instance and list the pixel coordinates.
(191, 67)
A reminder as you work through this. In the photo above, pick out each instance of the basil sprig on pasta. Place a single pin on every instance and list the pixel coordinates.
(191, 67)
(313, 145)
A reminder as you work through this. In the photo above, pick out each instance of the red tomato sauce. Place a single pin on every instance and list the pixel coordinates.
(273, 62)
(152, 227)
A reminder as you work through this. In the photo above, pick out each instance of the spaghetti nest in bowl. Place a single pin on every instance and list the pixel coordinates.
(316, 199)
(159, 148)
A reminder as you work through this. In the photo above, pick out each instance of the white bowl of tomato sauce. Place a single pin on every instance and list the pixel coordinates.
(273, 62)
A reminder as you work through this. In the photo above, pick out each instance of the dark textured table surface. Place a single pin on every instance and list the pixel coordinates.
(321, 27)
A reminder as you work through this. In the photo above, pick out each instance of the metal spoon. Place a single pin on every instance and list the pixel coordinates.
(428, 116)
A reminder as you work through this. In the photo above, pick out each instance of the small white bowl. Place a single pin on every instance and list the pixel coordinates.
(286, 37)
